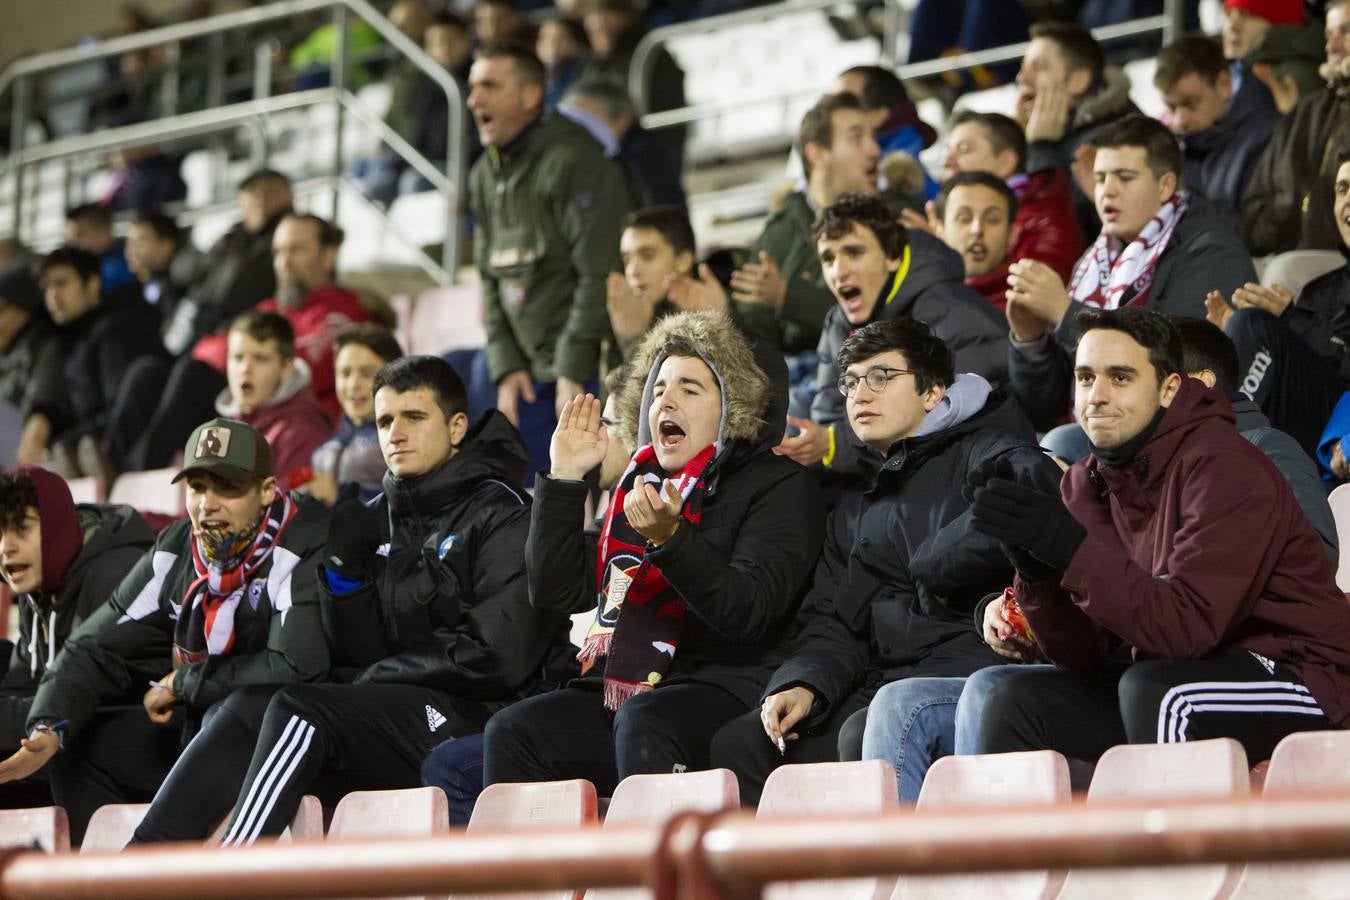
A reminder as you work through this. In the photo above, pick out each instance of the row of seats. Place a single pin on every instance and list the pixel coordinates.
(1214, 768)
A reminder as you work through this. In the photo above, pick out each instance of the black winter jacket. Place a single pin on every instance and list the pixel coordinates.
(903, 569)
(1217, 163)
(934, 291)
(448, 607)
(1321, 316)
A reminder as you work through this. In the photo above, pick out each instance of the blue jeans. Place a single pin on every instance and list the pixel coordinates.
(910, 723)
(971, 707)
(456, 767)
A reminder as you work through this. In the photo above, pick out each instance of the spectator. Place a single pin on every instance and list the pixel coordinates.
(1158, 249)
(603, 108)
(32, 367)
(102, 337)
(269, 390)
(89, 227)
(165, 264)
(144, 178)
(497, 23)
(896, 125)
(432, 638)
(1286, 60)
(311, 60)
(939, 29)
(902, 569)
(975, 215)
(448, 43)
(562, 48)
(1136, 552)
(1288, 201)
(177, 620)
(839, 156)
(698, 568)
(614, 28)
(656, 248)
(545, 248)
(305, 249)
(1292, 352)
(62, 562)
(1221, 131)
(1246, 24)
(1066, 94)
(352, 456)
(878, 270)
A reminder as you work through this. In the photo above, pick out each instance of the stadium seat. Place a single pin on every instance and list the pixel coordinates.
(1296, 268)
(414, 811)
(1302, 763)
(111, 826)
(445, 319)
(1339, 500)
(85, 490)
(306, 824)
(824, 788)
(1142, 90)
(152, 491)
(1005, 779)
(1213, 768)
(44, 828)
(546, 804)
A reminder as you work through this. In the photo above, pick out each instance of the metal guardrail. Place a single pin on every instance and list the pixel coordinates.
(19, 76)
(639, 74)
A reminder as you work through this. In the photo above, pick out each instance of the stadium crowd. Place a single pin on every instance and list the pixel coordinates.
(1019, 454)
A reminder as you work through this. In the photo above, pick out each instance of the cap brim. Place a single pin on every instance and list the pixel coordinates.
(230, 473)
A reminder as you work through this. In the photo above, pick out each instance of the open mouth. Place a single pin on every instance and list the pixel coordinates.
(977, 251)
(849, 293)
(16, 572)
(669, 434)
(1110, 213)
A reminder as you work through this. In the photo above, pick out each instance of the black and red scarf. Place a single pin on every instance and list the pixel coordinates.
(640, 645)
(206, 622)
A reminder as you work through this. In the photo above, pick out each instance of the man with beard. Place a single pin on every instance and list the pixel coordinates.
(149, 424)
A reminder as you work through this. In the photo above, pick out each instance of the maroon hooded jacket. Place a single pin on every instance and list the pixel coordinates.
(1196, 543)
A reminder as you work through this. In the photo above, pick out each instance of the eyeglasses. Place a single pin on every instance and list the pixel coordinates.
(876, 377)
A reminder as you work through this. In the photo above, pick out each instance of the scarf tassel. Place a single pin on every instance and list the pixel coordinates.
(617, 692)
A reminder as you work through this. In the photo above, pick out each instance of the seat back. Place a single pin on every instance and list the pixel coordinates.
(1213, 768)
(547, 804)
(44, 828)
(1005, 779)
(111, 826)
(152, 491)
(414, 811)
(1339, 500)
(1295, 268)
(812, 788)
(85, 490)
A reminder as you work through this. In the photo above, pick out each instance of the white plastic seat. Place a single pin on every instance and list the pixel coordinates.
(85, 490)
(1296, 268)
(547, 804)
(44, 828)
(1339, 500)
(149, 491)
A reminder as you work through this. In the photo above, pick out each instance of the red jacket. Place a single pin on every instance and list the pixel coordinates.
(324, 313)
(1044, 228)
(1195, 544)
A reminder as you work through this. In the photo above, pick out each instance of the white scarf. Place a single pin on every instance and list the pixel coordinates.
(1110, 276)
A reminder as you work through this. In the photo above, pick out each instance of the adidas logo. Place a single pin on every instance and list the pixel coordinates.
(434, 719)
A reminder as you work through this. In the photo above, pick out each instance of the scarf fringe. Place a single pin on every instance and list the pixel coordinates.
(617, 693)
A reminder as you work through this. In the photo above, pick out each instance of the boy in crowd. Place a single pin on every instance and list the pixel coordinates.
(225, 600)
(61, 561)
(877, 269)
(424, 604)
(657, 250)
(32, 378)
(975, 214)
(902, 569)
(89, 227)
(269, 390)
(1161, 625)
(708, 540)
(352, 456)
(166, 265)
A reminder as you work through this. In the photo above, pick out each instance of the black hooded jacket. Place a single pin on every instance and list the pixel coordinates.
(448, 607)
(903, 568)
(1218, 162)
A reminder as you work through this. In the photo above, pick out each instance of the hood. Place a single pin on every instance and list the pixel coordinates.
(62, 537)
(930, 262)
(299, 379)
(963, 400)
(1247, 415)
(1110, 101)
(746, 389)
(491, 451)
(997, 410)
(1194, 406)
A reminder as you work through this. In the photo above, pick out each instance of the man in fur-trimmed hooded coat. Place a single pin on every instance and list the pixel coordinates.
(696, 573)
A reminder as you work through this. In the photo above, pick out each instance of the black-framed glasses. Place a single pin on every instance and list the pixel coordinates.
(876, 377)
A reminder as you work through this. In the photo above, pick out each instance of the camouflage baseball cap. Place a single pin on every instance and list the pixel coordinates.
(227, 448)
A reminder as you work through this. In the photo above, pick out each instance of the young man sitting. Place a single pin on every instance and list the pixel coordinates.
(707, 542)
(424, 605)
(975, 212)
(1164, 626)
(269, 390)
(224, 601)
(902, 569)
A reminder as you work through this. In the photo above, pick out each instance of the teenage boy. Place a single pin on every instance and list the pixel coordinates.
(902, 569)
(1163, 627)
(225, 600)
(657, 249)
(352, 456)
(975, 215)
(269, 390)
(424, 604)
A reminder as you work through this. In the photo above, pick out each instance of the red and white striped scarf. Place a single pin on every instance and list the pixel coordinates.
(1112, 276)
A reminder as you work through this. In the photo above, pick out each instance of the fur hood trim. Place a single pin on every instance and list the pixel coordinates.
(1106, 102)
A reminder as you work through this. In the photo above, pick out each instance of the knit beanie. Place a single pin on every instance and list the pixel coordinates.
(1277, 12)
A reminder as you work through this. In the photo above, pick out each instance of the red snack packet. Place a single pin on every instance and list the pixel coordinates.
(1021, 635)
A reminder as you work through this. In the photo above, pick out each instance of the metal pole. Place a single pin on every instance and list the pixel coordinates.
(215, 96)
(456, 169)
(339, 82)
(18, 125)
(168, 98)
(1175, 12)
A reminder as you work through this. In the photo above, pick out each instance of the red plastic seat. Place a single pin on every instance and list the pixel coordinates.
(1005, 779)
(814, 788)
(1311, 761)
(43, 828)
(1213, 768)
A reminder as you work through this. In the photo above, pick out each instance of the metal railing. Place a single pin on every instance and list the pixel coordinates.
(20, 76)
(1169, 24)
(714, 856)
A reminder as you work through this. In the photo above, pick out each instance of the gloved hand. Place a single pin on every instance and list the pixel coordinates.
(1039, 535)
(354, 533)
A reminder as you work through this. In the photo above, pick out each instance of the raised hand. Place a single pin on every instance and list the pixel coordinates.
(808, 446)
(704, 292)
(1217, 310)
(1039, 288)
(580, 441)
(629, 315)
(654, 514)
(760, 282)
(1049, 117)
(1274, 299)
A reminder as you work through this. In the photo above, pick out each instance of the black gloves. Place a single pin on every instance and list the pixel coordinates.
(354, 533)
(1038, 534)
